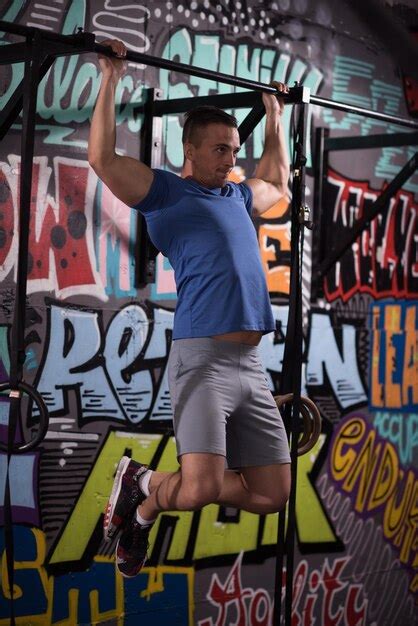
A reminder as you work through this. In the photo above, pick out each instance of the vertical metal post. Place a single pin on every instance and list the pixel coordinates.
(292, 366)
(151, 146)
(27, 150)
(17, 352)
(319, 238)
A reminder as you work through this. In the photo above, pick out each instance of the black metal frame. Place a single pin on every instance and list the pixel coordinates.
(50, 46)
(155, 108)
(151, 138)
(292, 367)
(325, 252)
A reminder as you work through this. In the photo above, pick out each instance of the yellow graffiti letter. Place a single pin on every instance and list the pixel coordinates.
(342, 459)
(386, 478)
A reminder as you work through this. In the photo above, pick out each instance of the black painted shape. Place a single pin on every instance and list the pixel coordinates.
(228, 515)
(369, 214)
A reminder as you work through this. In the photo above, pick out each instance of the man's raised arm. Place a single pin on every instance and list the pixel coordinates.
(128, 179)
(271, 177)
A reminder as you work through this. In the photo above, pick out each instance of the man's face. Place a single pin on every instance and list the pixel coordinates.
(214, 157)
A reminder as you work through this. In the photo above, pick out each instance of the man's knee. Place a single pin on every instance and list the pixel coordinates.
(197, 494)
(274, 498)
(280, 497)
(202, 477)
(275, 503)
(273, 493)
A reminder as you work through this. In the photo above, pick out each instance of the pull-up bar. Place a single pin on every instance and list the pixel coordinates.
(85, 42)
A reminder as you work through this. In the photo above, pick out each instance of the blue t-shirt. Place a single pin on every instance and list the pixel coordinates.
(210, 241)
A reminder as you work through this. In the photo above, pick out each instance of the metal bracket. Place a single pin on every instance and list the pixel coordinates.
(305, 217)
(151, 155)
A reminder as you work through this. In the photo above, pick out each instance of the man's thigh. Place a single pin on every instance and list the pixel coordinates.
(203, 393)
(255, 432)
(202, 467)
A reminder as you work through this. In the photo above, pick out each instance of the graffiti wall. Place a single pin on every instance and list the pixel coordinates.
(97, 346)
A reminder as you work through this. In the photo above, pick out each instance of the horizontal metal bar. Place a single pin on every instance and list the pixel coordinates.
(82, 39)
(200, 72)
(371, 141)
(234, 100)
(374, 210)
(159, 62)
(86, 41)
(19, 29)
(13, 53)
(13, 106)
(238, 100)
(383, 117)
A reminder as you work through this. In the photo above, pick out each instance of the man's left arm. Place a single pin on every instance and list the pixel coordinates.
(271, 177)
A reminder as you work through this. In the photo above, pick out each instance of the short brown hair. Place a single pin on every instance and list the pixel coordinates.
(202, 116)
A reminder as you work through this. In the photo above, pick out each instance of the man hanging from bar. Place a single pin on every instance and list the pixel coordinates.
(231, 443)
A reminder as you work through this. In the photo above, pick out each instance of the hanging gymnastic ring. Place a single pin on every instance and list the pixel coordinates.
(43, 418)
(310, 414)
(311, 418)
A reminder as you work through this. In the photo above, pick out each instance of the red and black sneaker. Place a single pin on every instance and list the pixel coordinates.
(125, 497)
(131, 549)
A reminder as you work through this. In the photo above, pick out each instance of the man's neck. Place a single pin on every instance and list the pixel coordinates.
(186, 170)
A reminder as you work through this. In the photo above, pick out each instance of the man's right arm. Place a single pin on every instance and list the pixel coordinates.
(128, 179)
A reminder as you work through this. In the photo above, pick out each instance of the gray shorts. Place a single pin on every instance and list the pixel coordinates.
(222, 403)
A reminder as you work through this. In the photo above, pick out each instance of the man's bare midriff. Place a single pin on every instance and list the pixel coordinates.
(250, 337)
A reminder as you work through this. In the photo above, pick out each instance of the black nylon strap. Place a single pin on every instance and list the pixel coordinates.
(8, 539)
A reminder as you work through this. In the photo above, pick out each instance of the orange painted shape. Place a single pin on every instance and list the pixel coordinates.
(392, 327)
(277, 276)
(376, 387)
(410, 367)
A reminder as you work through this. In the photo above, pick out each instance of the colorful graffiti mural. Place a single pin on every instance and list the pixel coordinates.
(97, 347)
(383, 262)
(253, 606)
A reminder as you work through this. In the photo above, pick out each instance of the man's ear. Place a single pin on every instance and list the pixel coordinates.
(189, 151)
